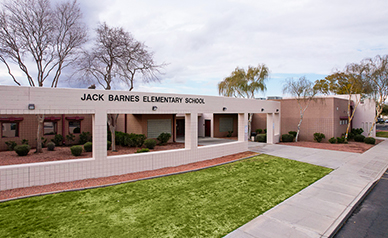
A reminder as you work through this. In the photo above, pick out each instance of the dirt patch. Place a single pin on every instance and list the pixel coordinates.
(87, 183)
(64, 153)
(352, 146)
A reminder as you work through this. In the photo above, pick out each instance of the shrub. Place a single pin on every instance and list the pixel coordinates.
(76, 150)
(319, 136)
(229, 134)
(370, 140)
(359, 138)
(150, 143)
(85, 137)
(24, 142)
(265, 131)
(293, 133)
(44, 141)
(287, 138)
(261, 138)
(143, 150)
(108, 145)
(258, 131)
(77, 130)
(50, 146)
(163, 138)
(58, 138)
(11, 145)
(22, 150)
(88, 146)
(70, 138)
(357, 131)
(332, 140)
(136, 140)
(341, 139)
(120, 138)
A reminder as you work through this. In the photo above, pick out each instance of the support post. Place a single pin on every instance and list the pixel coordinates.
(243, 127)
(99, 132)
(270, 128)
(191, 130)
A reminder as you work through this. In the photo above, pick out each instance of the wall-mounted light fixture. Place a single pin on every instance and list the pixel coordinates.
(224, 109)
(31, 106)
(154, 108)
(277, 110)
(262, 109)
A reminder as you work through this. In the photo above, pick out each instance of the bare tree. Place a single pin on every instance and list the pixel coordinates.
(377, 74)
(350, 81)
(118, 57)
(32, 32)
(304, 92)
(244, 84)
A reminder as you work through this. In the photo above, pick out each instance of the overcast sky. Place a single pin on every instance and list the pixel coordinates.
(204, 41)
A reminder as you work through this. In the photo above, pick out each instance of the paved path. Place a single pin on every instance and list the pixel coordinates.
(319, 209)
(370, 219)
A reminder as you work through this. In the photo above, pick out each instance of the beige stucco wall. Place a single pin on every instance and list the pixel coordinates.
(49, 101)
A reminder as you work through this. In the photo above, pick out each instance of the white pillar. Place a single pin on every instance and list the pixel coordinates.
(276, 127)
(243, 127)
(99, 135)
(270, 128)
(191, 130)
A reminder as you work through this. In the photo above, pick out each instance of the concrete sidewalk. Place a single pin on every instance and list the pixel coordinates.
(319, 209)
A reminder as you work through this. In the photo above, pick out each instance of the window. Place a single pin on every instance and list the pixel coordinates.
(157, 126)
(74, 127)
(226, 124)
(9, 129)
(50, 128)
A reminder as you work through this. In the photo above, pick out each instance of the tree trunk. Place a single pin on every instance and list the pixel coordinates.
(299, 124)
(112, 122)
(350, 117)
(40, 119)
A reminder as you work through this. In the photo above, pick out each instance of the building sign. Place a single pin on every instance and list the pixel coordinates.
(137, 98)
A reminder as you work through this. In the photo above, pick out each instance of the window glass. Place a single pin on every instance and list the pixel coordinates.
(74, 127)
(226, 124)
(9, 129)
(157, 126)
(50, 128)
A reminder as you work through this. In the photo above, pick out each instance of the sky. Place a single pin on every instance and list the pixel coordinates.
(204, 41)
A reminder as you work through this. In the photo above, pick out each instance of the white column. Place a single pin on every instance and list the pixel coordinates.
(276, 127)
(243, 127)
(191, 130)
(99, 135)
(270, 128)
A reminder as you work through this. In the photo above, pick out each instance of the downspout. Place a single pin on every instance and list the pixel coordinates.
(174, 127)
(63, 128)
(125, 123)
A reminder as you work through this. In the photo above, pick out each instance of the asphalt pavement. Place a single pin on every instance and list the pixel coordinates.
(370, 218)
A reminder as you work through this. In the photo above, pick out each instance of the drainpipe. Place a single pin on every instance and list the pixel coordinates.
(63, 128)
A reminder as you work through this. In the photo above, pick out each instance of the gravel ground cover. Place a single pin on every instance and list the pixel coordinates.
(352, 146)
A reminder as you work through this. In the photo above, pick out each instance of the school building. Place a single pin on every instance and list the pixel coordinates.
(72, 111)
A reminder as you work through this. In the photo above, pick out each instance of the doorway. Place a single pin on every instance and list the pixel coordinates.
(207, 128)
(180, 127)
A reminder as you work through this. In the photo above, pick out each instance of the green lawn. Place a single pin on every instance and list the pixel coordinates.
(382, 134)
(207, 203)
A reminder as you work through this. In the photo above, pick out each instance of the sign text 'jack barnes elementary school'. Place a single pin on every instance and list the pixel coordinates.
(137, 98)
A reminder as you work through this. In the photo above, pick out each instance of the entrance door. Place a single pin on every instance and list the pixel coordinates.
(207, 128)
(180, 127)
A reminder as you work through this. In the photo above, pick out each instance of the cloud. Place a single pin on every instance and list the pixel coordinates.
(204, 41)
